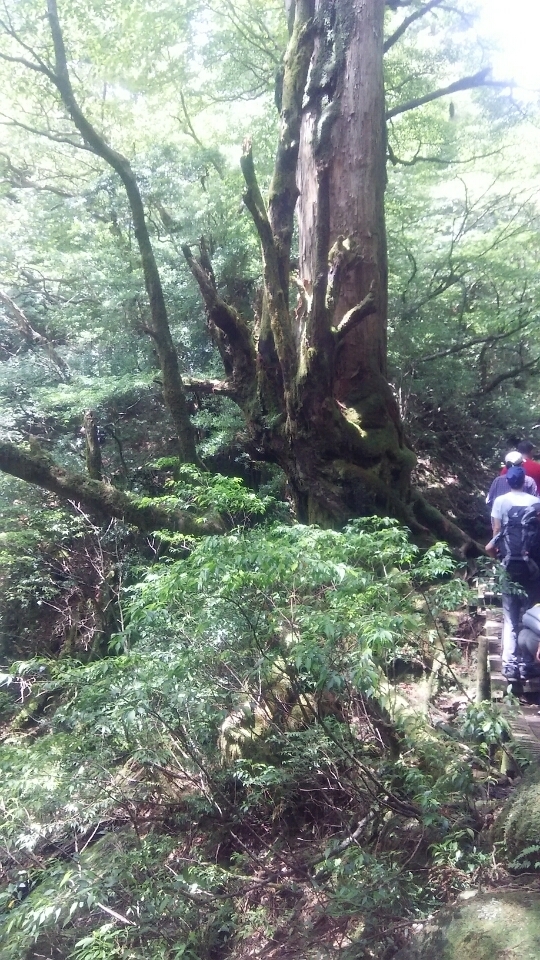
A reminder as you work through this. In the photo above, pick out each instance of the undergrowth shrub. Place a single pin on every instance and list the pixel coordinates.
(242, 724)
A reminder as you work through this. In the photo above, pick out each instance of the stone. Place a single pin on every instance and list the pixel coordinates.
(499, 925)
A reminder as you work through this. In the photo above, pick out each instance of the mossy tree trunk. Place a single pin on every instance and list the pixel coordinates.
(36, 467)
(312, 381)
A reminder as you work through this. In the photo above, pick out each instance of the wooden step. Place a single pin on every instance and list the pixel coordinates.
(525, 726)
(498, 682)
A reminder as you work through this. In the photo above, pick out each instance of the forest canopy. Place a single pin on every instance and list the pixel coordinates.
(131, 274)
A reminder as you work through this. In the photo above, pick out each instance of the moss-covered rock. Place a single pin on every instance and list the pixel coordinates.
(502, 925)
(518, 827)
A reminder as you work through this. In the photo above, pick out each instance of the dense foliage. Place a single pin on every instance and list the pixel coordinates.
(461, 218)
(205, 747)
(228, 754)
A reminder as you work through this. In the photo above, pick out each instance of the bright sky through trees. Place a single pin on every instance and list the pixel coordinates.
(515, 27)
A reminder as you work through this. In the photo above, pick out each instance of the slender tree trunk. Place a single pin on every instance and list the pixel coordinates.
(483, 680)
(158, 329)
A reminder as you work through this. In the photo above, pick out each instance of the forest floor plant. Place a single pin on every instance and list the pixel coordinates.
(239, 772)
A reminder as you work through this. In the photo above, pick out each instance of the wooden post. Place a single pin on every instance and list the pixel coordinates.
(509, 767)
(483, 681)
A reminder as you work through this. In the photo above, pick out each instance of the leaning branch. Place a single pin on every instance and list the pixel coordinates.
(284, 189)
(17, 177)
(229, 330)
(529, 367)
(254, 202)
(441, 161)
(442, 528)
(189, 130)
(475, 342)
(211, 388)
(277, 295)
(98, 497)
(479, 79)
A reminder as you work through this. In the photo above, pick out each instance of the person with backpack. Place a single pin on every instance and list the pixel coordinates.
(516, 542)
(530, 466)
(500, 484)
(529, 643)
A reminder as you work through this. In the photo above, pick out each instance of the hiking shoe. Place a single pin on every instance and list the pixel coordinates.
(529, 671)
(510, 672)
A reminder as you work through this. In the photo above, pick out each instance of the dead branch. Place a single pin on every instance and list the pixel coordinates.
(33, 337)
(406, 23)
(358, 313)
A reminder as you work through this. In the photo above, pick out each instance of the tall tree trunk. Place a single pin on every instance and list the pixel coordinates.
(342, 240)
(343, 446)
(315, 393)
(324, 409)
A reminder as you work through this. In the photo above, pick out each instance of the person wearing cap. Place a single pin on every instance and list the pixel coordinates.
(500, 484)
(517, 594)
(531, 467)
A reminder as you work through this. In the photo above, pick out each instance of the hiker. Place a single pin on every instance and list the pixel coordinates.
(500, 484)
(516, 541)
(530, 466)
(529, 644)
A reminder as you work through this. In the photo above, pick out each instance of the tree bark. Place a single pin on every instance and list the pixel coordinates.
(342, 239)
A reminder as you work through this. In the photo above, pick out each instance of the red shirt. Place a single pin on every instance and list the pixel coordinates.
(531, 468)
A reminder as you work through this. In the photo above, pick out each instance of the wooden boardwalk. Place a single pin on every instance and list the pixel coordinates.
(525, 725)
(525, 729)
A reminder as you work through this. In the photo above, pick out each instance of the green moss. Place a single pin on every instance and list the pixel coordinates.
(518, 827)
(500, 925)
